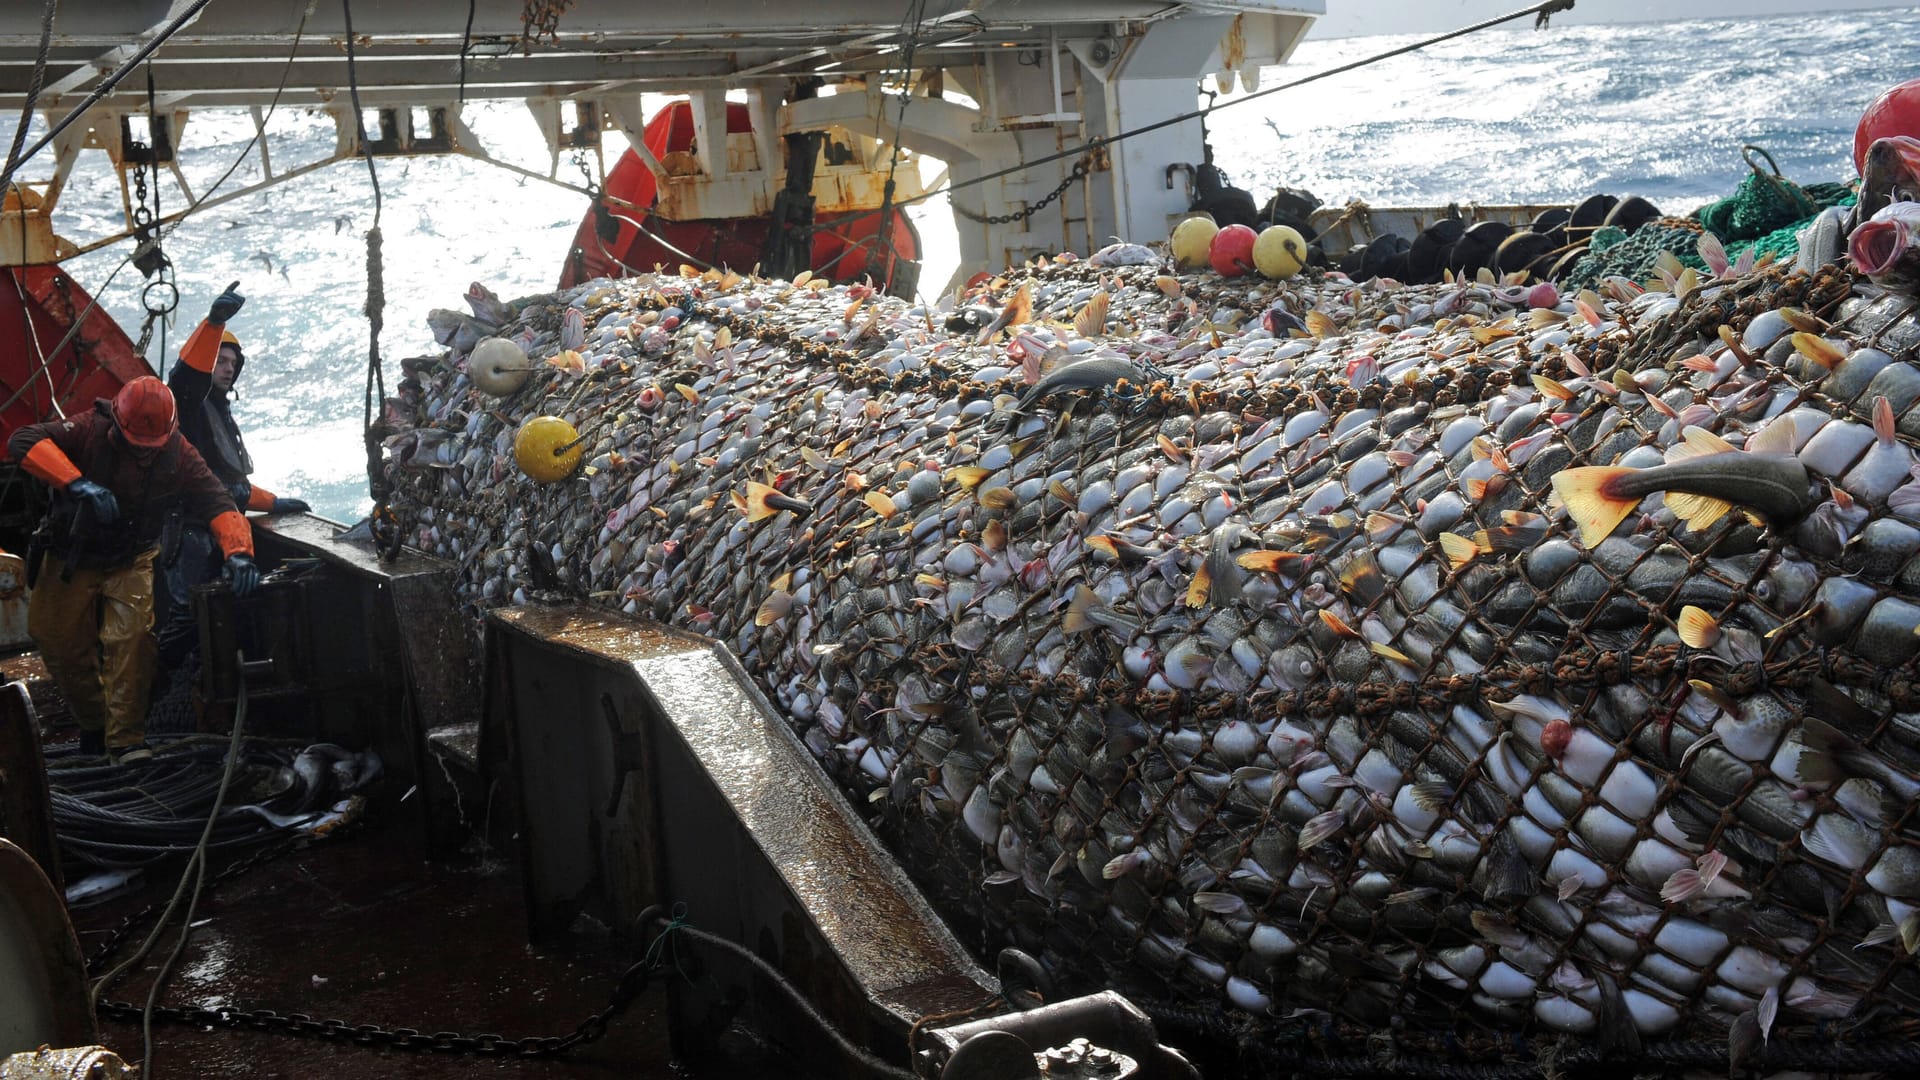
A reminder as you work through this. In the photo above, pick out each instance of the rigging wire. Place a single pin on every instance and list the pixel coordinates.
(466, 42)
(911, 28)
(34, 86)
(106, 86)
(20, 197)
(692, 260)
(26, 318)
(245, 152)
(1541, 11)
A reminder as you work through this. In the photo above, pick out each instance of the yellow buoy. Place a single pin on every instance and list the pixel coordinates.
(498, 367)
(1191, 240)
(547, 448)
(1280, 251)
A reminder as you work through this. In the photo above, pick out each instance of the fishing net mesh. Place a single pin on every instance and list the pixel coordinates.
(1264, 743)
(1766, 214)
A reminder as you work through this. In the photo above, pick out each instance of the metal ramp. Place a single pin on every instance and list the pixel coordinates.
(651, 771)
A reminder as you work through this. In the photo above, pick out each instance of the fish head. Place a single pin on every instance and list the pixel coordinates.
(1884, 241)
(1891, 175)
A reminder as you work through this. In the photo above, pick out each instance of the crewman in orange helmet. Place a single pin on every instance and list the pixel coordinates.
(116, 471)
(201, 382)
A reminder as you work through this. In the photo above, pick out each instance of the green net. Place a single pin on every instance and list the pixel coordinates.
(1613, 253)
(1762, 204)
(1766, 214)
(1783, 242)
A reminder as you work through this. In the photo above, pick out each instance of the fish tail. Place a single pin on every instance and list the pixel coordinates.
(1201, 587)
(1512, 538)
(1458, 549)
(1079, 611)
(1592, 498)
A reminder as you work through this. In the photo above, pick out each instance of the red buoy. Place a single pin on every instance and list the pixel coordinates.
(1895, 112)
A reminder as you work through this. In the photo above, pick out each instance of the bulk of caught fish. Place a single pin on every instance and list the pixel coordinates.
(1468, 655)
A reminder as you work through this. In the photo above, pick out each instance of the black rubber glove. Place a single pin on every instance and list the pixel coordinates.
(226, 306)
(243, 575)
(100, 501)
(284, 505)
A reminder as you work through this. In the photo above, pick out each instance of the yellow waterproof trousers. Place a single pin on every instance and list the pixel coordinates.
(95, 634)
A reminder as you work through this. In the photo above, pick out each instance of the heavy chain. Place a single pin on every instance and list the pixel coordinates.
(587, 177)
(98, 961)
(631, 984)
(540, 20)
(141, 215)
(1079, 172)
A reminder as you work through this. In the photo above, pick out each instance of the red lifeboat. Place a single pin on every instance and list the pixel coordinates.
(845, 248)
(35, 378)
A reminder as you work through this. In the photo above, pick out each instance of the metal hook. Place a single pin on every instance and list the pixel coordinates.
(1181, 166)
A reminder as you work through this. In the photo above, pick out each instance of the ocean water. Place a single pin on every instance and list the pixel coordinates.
(1659, 110)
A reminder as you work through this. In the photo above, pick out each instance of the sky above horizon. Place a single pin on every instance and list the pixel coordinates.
(1355, 18)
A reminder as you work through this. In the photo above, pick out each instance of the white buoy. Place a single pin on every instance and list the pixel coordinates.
(498, 367)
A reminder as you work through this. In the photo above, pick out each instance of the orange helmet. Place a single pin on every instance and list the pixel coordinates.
(227, 338)
(143, 410)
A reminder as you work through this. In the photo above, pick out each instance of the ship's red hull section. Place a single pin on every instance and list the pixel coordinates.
(38, 306)
(842, 252)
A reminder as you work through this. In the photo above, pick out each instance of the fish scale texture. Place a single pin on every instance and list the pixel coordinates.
(1269, 674)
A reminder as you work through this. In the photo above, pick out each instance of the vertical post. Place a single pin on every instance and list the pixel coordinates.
(710, 132)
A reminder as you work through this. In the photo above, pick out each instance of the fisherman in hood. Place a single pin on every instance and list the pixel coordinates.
(201, 382)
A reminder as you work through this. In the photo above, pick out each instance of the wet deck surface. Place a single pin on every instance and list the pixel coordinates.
(364, 929)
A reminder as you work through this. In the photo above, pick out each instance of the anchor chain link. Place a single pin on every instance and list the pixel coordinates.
(487, 1044)
(161, 295)
(1079, 172)
(540, 21)
(587, 178)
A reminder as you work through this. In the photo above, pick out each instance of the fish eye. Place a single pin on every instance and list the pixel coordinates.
(1763, 589)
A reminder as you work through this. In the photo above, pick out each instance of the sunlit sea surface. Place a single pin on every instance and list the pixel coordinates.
(1659, 110)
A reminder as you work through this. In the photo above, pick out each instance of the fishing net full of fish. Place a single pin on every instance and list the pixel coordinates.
(1445, 662)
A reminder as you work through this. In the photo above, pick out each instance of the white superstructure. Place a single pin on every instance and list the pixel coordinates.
(985, 85)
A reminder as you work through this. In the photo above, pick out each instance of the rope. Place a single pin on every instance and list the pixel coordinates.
(858, 1061)
(197, 866)
(33, 91)
(376, 392)
(198, 860)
